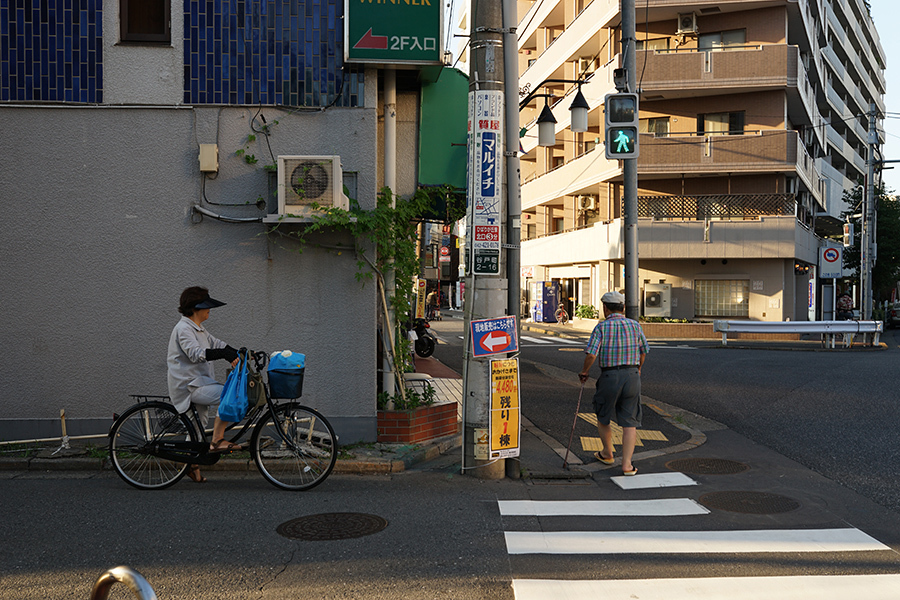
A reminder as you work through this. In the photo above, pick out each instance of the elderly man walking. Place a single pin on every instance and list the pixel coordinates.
(622, 348)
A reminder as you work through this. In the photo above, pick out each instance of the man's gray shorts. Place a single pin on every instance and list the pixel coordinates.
(618, 397)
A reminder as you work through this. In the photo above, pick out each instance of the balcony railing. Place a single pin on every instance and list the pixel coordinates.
(724, 207)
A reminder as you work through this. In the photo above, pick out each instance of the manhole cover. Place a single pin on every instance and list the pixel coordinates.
(707, 466)
(331, 526)
(750, 503)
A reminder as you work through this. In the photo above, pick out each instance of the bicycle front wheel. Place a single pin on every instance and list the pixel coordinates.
(131, 442)
(304, 457)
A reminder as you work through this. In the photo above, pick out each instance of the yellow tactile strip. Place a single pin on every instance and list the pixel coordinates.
(594, 444)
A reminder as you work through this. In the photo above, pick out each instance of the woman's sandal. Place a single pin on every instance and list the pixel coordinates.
(194, 474)
(224, 446)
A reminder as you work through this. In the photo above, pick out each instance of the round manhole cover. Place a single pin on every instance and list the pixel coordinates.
(750, 503)
(707, 466)
(331, 526)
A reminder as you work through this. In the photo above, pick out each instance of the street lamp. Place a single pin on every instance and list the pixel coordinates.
(547, 122)
(546, 127)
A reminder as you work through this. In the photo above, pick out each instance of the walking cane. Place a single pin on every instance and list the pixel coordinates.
(574, 421)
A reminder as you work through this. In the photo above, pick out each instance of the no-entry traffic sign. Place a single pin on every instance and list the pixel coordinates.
(494, 336)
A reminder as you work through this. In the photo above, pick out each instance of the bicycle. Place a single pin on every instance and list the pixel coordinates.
(152, 446)
(562, 317)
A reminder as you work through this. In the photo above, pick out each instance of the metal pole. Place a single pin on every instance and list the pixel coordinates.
(513, 170)
(390, 181)
(632, 289)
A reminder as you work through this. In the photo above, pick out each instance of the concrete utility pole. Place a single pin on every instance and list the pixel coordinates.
(867, 241)
(630, 183)
(485, 294)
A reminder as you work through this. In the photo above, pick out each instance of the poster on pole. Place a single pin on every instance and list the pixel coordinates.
(505, 409)
(420, 298)
(486, 179)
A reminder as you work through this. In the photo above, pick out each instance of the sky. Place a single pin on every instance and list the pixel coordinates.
(886, 14)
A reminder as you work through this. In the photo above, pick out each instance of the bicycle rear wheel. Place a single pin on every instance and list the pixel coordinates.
(132, 437)
(306, 459)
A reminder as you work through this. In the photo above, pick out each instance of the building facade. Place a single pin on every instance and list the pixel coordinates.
(104, 107)
(753, 123)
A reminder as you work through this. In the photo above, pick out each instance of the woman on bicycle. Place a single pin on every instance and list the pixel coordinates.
(191, 376)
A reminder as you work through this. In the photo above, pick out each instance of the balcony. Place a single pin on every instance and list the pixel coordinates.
(769, 151)
(589, 169)
(693, 72)
(601, 241)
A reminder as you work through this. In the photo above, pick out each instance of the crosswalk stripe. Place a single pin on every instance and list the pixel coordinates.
(652, 480)
(820, 587)
(526, 338)
(565, 341)
(684, 542)
(664, 507)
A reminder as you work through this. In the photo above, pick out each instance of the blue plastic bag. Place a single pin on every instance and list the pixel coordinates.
(234, 402)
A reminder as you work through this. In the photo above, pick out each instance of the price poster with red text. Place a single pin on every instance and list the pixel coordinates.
(505, 410)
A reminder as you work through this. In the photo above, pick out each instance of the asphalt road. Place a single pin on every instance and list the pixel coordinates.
(835, 412)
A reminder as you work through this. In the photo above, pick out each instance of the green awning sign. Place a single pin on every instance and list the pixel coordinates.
(393, 32)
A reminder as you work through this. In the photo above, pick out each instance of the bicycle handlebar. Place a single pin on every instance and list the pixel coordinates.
(260, 358)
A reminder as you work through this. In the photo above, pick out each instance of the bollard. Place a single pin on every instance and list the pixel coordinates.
(134, 580)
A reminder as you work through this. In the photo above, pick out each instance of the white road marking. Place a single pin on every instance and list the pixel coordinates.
(690, 542)
(652, 480)
(820, 587)
(526, 338)
(665, 507)
(565, 340)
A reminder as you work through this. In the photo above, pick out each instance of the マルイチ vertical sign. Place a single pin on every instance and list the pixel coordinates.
(387, 32)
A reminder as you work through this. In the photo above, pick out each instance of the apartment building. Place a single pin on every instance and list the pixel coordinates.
(753, 122)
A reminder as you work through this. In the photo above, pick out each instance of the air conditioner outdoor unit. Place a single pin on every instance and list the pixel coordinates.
(586, 66)
(306, 181)
(587, 202)
(657, 299)
(687, 23)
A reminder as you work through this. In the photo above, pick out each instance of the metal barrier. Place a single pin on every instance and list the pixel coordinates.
(828, 328)
(134, 580)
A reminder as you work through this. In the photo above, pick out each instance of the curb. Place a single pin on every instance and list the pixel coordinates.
(404, 458)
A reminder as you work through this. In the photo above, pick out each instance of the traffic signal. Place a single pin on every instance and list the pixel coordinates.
(621, 126)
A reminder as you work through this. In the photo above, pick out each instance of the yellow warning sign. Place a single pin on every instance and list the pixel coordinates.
(505, 410)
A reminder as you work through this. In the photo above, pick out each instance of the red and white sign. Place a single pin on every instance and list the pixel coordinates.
(494, 341)
(445, 251)
(830, 263)
(487, 233)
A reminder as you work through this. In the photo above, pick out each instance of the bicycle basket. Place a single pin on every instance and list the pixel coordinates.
(286, 374)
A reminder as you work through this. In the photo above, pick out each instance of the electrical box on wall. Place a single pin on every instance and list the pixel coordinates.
(209, 158)
(657, 299)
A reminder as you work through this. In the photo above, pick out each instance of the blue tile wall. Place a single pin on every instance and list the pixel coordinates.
(51, 50)
(281, 52)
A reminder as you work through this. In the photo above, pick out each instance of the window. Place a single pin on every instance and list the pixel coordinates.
(722, 40)
(657, 126)
(728, 123)
(722, 298)
(145, 21)
(654, 44)
(558, 224)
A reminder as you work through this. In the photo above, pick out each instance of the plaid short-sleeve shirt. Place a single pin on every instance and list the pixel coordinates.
(618, 340)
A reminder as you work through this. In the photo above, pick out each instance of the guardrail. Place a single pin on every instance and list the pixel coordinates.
(827, 328)
(131, 578)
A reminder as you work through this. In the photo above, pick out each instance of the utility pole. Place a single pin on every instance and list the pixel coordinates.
(513, 172)
(630, 175)
(867, 243)
(390, 181)
(486, 288)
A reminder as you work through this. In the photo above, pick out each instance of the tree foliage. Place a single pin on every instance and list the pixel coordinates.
(886, 272)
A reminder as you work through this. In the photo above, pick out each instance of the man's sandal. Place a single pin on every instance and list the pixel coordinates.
(224, 446)
(605, 461)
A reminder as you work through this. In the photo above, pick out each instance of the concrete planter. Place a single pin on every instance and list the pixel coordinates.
(418, 425)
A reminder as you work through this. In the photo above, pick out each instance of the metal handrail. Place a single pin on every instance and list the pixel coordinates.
(134, 580)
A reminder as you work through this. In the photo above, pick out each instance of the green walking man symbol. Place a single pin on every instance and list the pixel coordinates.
(622, 142)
